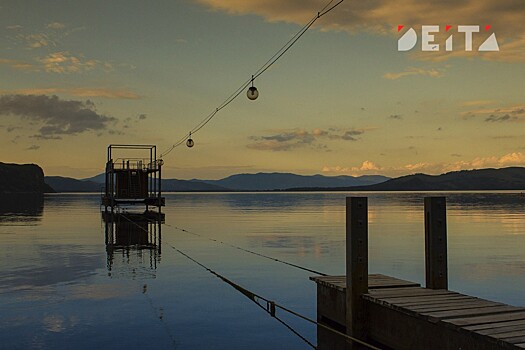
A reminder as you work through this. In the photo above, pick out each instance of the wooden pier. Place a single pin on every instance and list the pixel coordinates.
(397, 314)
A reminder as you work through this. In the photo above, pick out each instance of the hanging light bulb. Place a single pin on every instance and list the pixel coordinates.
(252, 92)
(190, 142)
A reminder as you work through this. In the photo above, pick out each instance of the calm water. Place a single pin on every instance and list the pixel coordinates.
(62, 288)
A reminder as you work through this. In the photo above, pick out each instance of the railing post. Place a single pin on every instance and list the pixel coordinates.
(436, 269)
(356, 266)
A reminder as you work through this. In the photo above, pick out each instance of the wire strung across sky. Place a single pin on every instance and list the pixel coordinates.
(271, 61)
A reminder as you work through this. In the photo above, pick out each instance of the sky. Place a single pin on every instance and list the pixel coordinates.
(77, 76)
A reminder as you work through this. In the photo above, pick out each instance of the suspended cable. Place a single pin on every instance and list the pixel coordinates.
(271, 61)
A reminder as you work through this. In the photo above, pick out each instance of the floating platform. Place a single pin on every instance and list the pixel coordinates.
(132, 181)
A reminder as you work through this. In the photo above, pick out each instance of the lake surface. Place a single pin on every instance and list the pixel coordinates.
(63, 287)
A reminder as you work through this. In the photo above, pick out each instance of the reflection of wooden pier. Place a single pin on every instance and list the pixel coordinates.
(399, 314)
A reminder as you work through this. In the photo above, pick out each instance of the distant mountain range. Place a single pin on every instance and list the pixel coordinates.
(67, 184)
(240, 182)
(482, 179)
(282, 181)
(512, 178)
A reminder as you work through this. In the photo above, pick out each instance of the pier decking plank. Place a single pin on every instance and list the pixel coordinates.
(495, 326)
(375, 281)
(492, 324)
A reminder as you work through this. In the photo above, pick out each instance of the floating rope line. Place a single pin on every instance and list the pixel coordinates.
(326, 9)
(271, 306)
(251, 251)
(160, 315)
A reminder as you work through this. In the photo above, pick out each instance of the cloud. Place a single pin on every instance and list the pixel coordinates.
(57, 117)
(288, 139)
(35, 41)
(500, 114)
(14, 27)
(130, 122)
(64, 62)
(365, 167)
(18, 65)
(476, 103)
(396, 116)
(50, 35)
(270, 145)
(434, 73)
(382, 17)
(61, 62)
(108, 93)
(369, 167)
(56, 25)
(500, 118)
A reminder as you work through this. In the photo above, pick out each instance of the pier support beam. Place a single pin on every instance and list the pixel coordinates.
(436, 269)
(356, 266)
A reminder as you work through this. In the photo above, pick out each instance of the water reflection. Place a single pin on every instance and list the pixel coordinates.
(55, 291)
(133, 243)
(23, 209)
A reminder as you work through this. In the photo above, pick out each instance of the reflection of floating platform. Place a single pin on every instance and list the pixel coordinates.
(133, 242)
(150, 216)
(150, 201)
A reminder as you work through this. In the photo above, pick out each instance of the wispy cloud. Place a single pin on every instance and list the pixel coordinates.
(477, 103)
(56, 25)
(501, 118)
(382, 17)
(396, 116)
(48, 55)
(501, 114)
(35, 41)
(18, 65)
(284, 140)
(129, 122)
(109, 93)
(366, 167)
(56, 117)
(433, 73)
(64, 62)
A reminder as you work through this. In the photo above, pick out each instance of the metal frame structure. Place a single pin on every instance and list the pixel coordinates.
(131, 180)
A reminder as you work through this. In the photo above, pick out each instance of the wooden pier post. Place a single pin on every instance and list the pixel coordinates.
(436, 269)
(356, 266)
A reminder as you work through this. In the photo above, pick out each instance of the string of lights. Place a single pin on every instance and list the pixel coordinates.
(252, 92)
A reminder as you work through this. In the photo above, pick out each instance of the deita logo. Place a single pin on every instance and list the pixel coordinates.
(409, 39)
